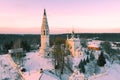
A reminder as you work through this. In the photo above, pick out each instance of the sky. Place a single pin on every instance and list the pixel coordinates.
(83, 16)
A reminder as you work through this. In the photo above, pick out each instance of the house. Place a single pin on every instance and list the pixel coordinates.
(94, 45)
(18, 50)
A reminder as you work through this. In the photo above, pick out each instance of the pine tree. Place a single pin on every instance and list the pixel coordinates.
(92, 57)
(80, 65)
(106, 46)
(101, 60)
(84, 61)
(83, 68)
(87, 60)
(87, 52)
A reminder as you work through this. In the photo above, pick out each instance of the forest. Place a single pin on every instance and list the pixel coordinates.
(35, 38)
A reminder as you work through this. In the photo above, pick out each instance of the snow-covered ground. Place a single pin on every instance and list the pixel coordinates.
(112, 73)
(7, 70)
(33, 63)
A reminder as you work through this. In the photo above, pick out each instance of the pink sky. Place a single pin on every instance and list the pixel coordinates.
(25, 16)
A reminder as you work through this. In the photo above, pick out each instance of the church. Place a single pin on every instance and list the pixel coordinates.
(73, 44)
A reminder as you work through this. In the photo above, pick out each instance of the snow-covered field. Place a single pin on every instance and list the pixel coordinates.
(112, 73)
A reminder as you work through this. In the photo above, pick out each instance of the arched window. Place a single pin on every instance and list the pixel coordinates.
(44, 32)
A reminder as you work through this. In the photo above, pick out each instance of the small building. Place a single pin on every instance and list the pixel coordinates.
(18, 50)
(94, 45)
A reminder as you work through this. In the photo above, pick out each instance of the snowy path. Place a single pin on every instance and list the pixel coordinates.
(16, 67)
(7, 70)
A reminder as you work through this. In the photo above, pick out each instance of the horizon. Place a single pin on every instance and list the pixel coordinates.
(51, 33)
(88, 16)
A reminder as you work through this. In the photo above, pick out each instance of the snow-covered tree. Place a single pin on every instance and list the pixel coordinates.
(83, 42)
(106, 46)
(82, 66)
(87, 60)
(92, 68)
(84, 61)
(92, 56)
(101, 60)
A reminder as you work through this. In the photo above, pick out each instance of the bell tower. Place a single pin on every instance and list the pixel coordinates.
(44, 35)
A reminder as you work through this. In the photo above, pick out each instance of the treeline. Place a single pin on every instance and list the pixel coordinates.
(13, 37)
(31, 38)
(11, 41)
(35, 38)
(99, 36)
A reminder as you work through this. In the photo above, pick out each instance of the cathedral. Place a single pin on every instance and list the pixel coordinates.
(44, 49)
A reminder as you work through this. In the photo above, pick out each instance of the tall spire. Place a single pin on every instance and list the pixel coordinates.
(44, 21)
(44, 12)
(45, 26)
(44, 35)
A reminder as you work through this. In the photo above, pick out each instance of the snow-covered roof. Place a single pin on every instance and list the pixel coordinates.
(94, 43)
(77, 75)
(48, 76)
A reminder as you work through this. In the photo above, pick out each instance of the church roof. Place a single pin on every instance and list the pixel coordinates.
(46, 75)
